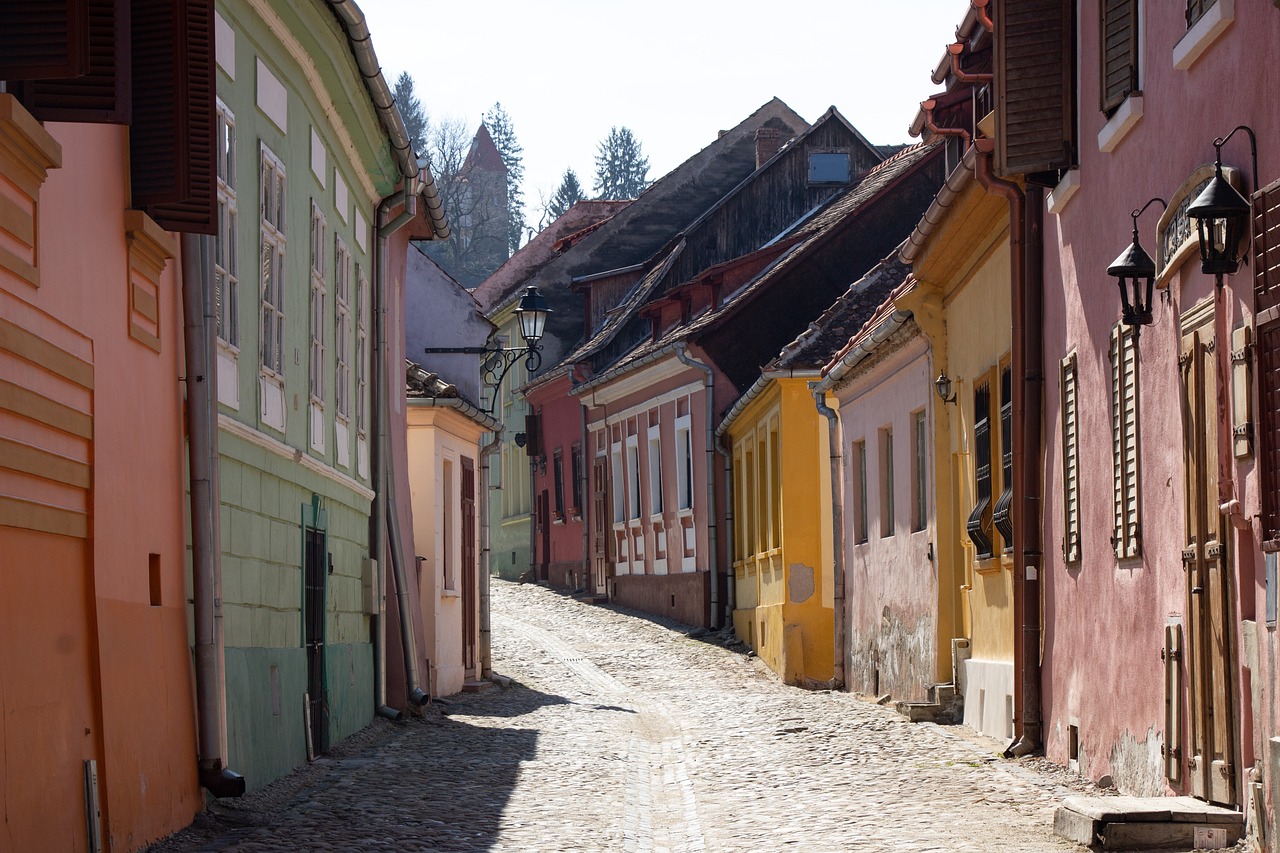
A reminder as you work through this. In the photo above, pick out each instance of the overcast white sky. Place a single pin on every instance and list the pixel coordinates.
(674, 71)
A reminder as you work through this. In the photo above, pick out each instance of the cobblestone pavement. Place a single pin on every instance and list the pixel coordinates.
(619, 733)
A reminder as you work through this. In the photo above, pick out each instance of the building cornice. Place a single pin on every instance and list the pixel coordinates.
(243, 431)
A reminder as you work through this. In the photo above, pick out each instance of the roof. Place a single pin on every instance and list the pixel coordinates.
(831, 332)
(483, 154)
(542, 249)
(422, 384)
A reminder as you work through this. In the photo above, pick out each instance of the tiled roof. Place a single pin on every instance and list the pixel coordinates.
(483, 154)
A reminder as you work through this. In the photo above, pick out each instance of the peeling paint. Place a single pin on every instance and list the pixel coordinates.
(1136, 765)
(903, 656)
(800, 583)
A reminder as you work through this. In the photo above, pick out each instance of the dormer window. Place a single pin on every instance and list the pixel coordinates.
(829, 167)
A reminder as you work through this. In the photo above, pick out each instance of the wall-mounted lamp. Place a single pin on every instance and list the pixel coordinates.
(942, 385)
(1221, 214)
(1135, 274)
(531, 315)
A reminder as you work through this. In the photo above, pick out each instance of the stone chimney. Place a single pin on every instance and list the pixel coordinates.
(768, 141)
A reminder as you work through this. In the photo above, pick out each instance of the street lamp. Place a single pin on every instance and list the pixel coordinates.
(1135, 274)
(943, 386)
(1221, 214)
(531, 317)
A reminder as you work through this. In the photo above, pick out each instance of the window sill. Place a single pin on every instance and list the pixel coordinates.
(687, 512)
(1203, 33)
(1126, 118)
(1063, 192)
(988, 565)
(656, 518)
(449, 593)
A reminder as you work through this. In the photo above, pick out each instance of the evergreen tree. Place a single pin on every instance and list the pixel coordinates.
(569, 193)
(415, 118)
(504, 137)
(622, 170)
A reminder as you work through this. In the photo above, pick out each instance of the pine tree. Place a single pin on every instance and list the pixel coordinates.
(415, 118)
(622, 170)
(569, 193)
(504, 137)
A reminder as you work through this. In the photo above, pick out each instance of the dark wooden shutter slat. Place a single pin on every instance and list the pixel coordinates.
(1035, 86)
(100, 94)
(1120, 52)
(44, 39)
(172, 142)
(1266, 204)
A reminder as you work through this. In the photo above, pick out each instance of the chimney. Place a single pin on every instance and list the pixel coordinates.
(768, 141)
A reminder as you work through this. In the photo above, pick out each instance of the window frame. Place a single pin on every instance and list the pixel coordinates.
(888, 502)
(273, 232)
(226, 254)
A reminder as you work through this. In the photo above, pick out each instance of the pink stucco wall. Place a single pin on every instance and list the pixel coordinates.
(1105, 618)
(561, 422)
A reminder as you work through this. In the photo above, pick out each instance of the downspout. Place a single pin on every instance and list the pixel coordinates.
(837, 529)
(712, 567)
(731, 575)
(206, 559)
(927, 107)
(959, 73)
(980, 9)
(486, 453)
(1026, 302)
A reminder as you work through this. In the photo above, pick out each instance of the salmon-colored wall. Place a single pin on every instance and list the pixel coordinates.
(560, 415)
(105, 669)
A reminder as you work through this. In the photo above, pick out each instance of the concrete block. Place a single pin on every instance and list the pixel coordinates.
(1073, 826)
(269, 498)
(229, 477)
(236, 625)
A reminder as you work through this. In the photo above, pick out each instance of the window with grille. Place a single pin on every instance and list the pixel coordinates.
(319, 295)
(273, 252)
(684, 462)
(978, 525)
(1070, 460)
(1119, 52)
(557, 472)
(1126, 535)
(226, 279)
(1002, 515)
(362, 352)
(575, 466)
(342, 329)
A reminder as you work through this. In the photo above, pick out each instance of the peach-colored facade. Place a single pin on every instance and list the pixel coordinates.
(91, 498)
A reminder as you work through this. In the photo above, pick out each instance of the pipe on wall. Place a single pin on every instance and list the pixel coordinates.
(199, 325)
(681, 351)
(486, 455)
(731, 576)
(837, 532)
(1026, 271)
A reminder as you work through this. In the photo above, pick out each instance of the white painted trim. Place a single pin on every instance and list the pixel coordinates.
(247, 433)
(1064, 192)
(341, 198)
(362, 231)
(662, 399)
(638, 380)
(1124, 120)
(271, 97)
(224, 40)
(1197, 40)
(319, 159)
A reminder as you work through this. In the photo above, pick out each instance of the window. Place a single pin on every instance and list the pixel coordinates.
(1002, 515)
(319, 293)
(684, 463)
(448, 538)
(829, 167)
(860, 492)
(886, 482)
(273, 248)
(1070, 461)
(919, 473)
(575, 466)
(362, 352)
(775, 485)
(1119, 52)
(633, 476)
(342, 329)
(1196, 10)
(615, 476)
(226, 281)
(978, 525)
(749, 501)
(557, 471)
(1266, 290)
(1126, 535)
(655, 471)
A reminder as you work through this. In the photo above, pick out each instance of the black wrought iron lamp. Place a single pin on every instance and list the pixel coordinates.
(1222, 214)
(531, 316)
(1135, 275)
(946, 393)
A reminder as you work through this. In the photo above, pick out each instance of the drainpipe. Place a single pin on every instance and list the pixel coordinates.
(959, 73)
(713, 570)
(730, 574)
(585, 510)
(980, 9)
(206, 558)
(486, 453)
(927, 106)
(837, 529)
(379, 512)
(1026, 298)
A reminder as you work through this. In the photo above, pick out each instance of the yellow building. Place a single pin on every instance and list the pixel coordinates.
(783, 596)
(961, 260)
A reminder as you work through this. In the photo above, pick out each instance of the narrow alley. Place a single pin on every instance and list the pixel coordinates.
(620, 733)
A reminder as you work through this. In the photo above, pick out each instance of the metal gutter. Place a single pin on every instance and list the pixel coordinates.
(756, 389)
(471, 412)
(596, 276)
(959, 180)
(609, 375)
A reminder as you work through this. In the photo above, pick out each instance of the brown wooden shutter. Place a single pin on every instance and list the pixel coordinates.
(1002, 516)
(1266, 205)
(1035, 49)
(171, 147)
(44, 39)
(1119, 51)
(101, 93)
(1070, 461)
(978, 525)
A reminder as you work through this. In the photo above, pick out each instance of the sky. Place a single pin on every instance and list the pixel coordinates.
(674, 72)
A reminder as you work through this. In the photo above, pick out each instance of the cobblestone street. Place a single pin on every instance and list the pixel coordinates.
(621, 734)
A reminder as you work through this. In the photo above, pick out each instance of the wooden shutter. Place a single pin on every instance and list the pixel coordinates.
(1035, 79)
(1126, 517)
(171, 146)
(979, 522)
(1171, 654)
(44, 39)
(1070, 461)
(533, 434)
(1119, 51)
(1002, 516)
(101, 92)
(1266, 272)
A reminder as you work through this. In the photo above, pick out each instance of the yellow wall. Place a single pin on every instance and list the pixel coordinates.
(782, 549)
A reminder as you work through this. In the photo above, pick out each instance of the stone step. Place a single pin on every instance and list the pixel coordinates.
(1140, 823)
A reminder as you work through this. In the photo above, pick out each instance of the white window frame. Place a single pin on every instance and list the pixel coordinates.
(888, 504)
(274, 243)
(342, 330)
(919, 471)
(655, 472)
(684, 464)
(617, 484)
(225, 266)
(633, 477)
(319, 296)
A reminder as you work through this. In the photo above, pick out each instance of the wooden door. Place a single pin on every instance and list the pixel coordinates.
(600, 529)
(470, 589)
(1210, 670)
(315, 569)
